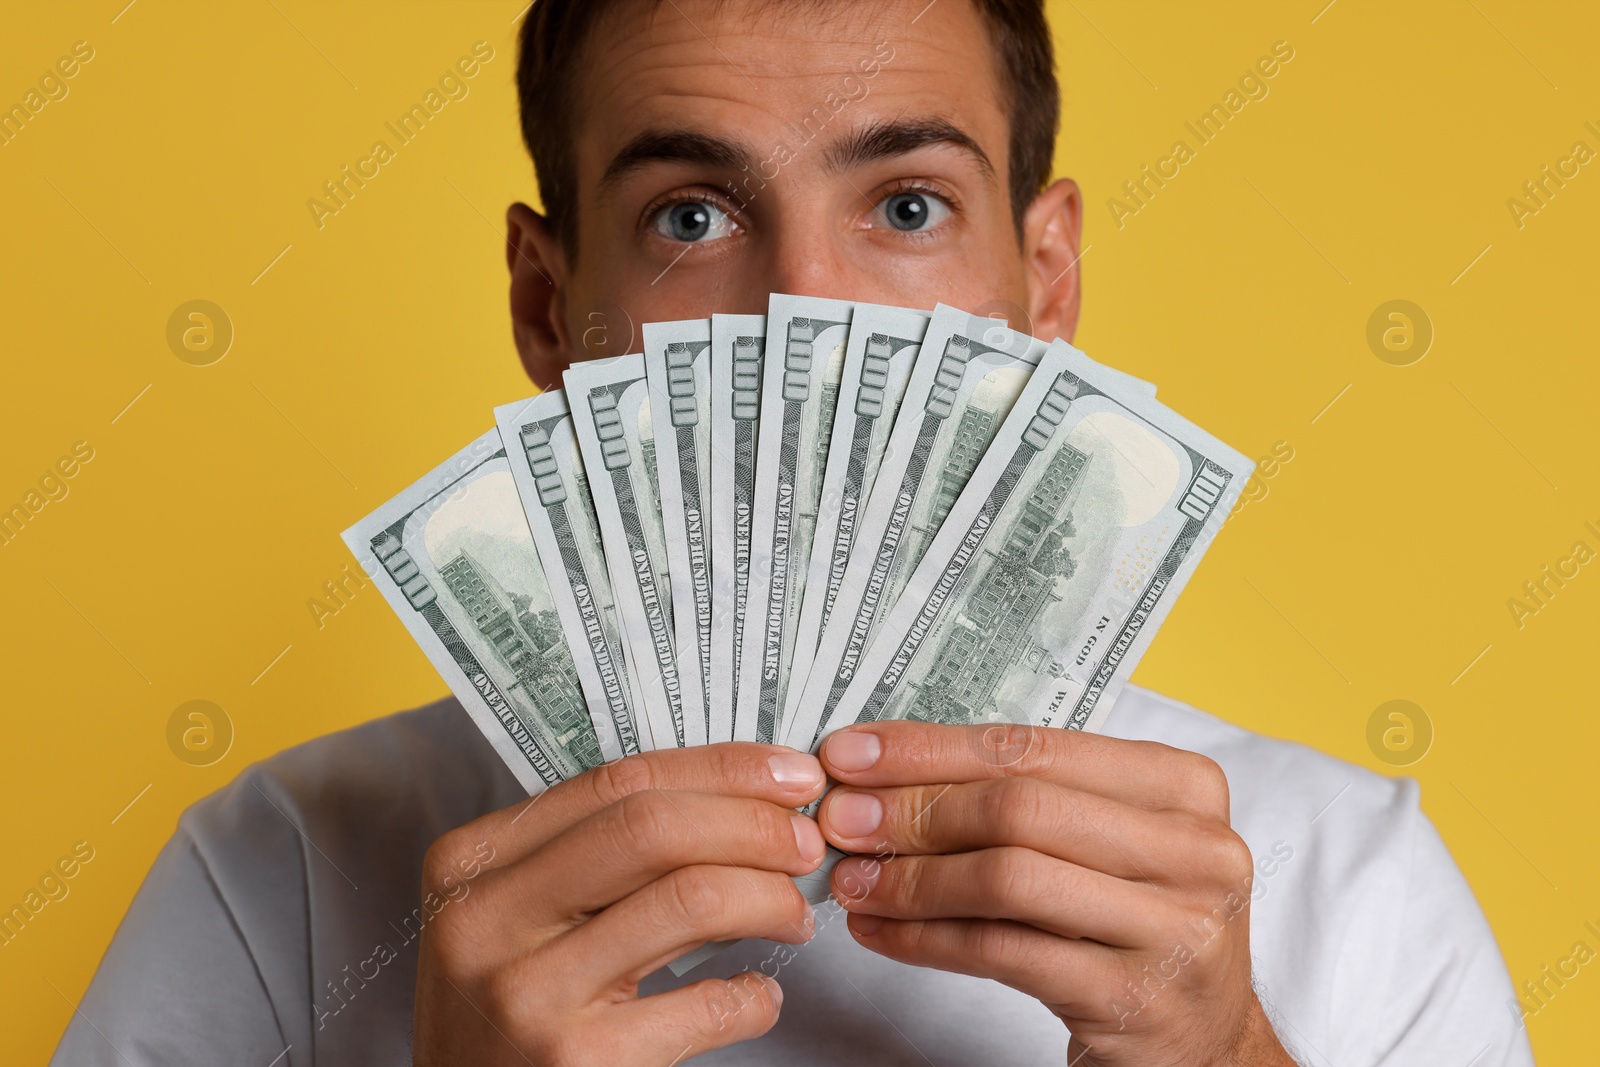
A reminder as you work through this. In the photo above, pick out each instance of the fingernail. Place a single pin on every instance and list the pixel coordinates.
(852, 750)
(808, 839)
(865, 925)
(795, 770)
(856, 879)
(854, 814)
(777, 990)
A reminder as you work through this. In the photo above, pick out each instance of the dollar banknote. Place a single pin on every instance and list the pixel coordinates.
(677, 362)
(455, 560)
(878, 358)
(1056, 563)
(542, 450)
(611, 414)
(738, 347)
(968, 372)
(799, 392)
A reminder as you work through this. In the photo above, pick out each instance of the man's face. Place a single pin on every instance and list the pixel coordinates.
(727, 151)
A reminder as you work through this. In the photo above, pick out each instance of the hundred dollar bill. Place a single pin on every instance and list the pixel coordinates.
(1057, 562)
(611, 414)
(738, 346)
(966, 376)
(677, 363)
(455, 560)
(799, 390)
(543, 452)
(878, 358)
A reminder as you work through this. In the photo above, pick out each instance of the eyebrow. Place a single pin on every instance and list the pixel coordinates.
(675, 146)
(875, 141)
(883, 139)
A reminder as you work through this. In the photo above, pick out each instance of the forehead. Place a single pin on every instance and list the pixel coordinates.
(758, 69)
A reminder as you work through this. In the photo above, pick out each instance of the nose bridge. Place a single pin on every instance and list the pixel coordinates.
(807, 259)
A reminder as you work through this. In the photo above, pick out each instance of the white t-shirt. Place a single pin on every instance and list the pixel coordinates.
(283, 913)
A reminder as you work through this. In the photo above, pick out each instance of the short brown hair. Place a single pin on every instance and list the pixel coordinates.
(555, 31)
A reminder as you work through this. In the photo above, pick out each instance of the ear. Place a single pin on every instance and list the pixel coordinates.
(1050, 232)
(538, 268)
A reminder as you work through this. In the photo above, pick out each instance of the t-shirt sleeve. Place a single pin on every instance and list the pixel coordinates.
(1448, 997)
(178, 985)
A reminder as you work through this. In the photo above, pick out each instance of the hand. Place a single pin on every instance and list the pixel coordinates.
(1097, 874)
(551, 911)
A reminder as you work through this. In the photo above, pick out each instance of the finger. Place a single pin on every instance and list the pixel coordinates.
(1070, 976)
(1142, 773)
(707, 1015)
(677, 912)
(1005, 883)
(772, 773)
(1085, 828)
(637, 840)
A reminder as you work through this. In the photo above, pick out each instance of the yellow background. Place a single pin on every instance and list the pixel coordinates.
(1378, 566)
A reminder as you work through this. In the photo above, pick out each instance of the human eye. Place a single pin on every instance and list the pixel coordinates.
(691, 221)
(911, 210)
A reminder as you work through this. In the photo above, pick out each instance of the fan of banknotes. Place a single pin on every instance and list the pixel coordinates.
(766, 527)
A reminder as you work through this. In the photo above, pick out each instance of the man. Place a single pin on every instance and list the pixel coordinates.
(1176, 892)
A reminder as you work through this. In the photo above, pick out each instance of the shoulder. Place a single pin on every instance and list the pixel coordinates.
(312, 840)
(418, 772)
(1358, 911)
(1271, 781)
(277, 885)
(322, 846)
(1327, 835)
